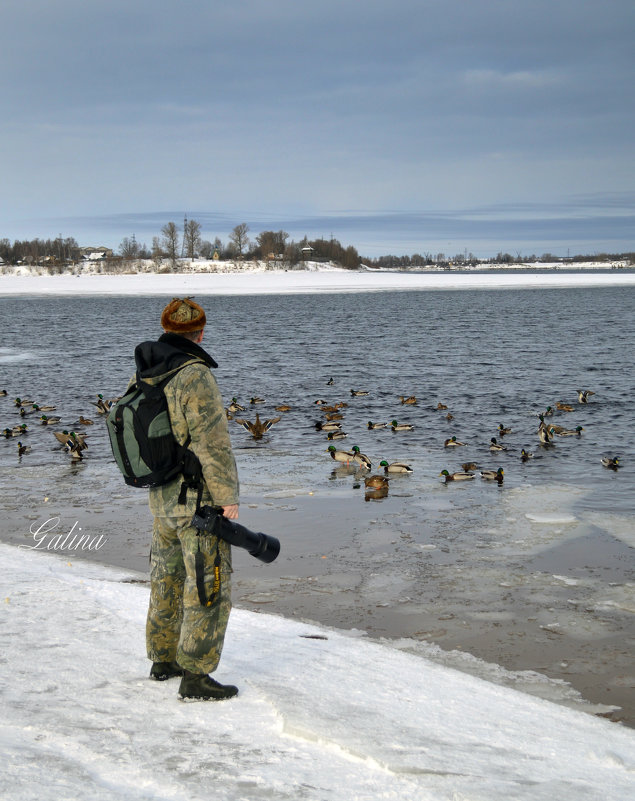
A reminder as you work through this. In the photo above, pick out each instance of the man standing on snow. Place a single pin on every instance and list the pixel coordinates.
(183, 636)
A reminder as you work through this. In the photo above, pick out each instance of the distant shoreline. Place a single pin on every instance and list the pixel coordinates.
(315, 281)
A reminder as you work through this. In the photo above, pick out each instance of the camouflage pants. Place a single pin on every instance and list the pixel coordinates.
(178, 626)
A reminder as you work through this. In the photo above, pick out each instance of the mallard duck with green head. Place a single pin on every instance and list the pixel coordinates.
(458, 476)
(493, 475)
(372, 425)
(360, 458)
(568, 432)
(401, 426)
(453, 442)
(346, 457)
(395, 467)
(494, 445)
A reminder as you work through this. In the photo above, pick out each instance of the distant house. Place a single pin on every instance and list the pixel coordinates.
(96, 254)
(307, 253)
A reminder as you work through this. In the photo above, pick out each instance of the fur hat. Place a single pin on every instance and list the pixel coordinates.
(182, 316)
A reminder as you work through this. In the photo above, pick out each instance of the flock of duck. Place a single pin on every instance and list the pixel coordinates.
(71, 440)
(378, 483)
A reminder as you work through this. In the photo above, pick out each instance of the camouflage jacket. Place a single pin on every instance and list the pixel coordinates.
(196, 409)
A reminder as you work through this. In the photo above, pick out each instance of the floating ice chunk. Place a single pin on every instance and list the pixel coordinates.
(567, 580)
(551, 519)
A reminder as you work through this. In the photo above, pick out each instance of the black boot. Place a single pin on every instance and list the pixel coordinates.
(201, 687)
(160, 671)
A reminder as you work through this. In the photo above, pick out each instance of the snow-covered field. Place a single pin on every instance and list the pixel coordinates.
(321, 715)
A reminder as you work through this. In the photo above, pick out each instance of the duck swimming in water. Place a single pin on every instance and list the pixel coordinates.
(452, 442)
(401, 426)
(493, 475)
(496, 446)
(458, 476)
(395, 467)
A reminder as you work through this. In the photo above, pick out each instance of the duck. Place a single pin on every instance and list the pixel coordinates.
(328, 426)
(502, 430)
(564, 407)
(23, 402)
(496, 446)
(37, 408)
(372, 425)
(68, 438)
(259, 427)
(468, 467)
(346, 457)
(567, 432)
(85, 421)
(449, 416)
(544, 436)
(16, 431)
(376, 482)
(583, 395)
(336, 435)
(234, 406)
(255, 400)
(330, 416)
(452, 442)
(401, 426)
(358, 393)
(283, 407)
(525, 455)
(49, 421)
(441, 407)
(395, 467)
(25, 411)
(330, 382)
(361, 458)
(23, 449)
(103, 405)
(493, 475)
(409, 401)
(73, 449)
(612, 462)
(458, 476)
(3, 392)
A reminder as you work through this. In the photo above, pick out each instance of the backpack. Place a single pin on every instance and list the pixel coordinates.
(143, 444)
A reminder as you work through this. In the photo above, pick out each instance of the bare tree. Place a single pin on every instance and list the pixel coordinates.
(170, 233)
(192, 238)
(239, 239)
(129, 249)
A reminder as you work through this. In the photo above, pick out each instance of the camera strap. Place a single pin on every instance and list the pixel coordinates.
(199, 565)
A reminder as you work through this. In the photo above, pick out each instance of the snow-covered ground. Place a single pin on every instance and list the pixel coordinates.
(321, 279)
(320, 715)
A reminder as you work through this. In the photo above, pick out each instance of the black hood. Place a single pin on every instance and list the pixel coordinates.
(154, 358)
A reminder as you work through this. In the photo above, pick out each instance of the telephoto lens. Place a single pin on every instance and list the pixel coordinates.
(262, 546)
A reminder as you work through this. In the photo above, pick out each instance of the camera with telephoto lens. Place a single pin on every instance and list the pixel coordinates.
(210, 519)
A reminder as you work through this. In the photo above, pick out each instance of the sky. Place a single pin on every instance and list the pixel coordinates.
(428, 126)
(320, 714)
